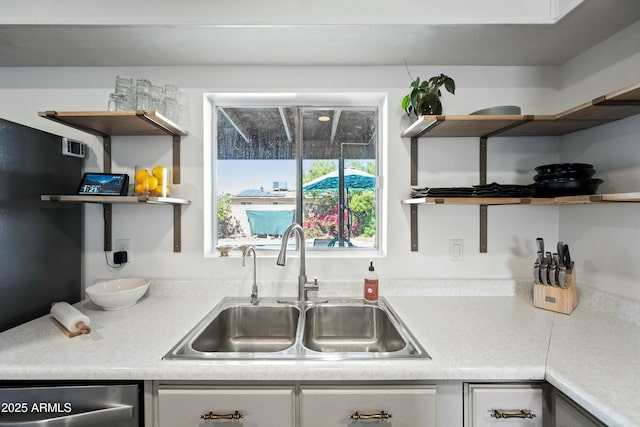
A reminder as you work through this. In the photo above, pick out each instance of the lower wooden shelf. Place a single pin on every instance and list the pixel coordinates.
(107, 202)
(564, 200)
(113, 199)
(483, 202)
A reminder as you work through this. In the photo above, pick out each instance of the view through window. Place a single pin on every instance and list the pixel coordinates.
(281, 164)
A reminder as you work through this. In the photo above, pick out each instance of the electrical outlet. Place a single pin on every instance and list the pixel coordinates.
(124, 245)
(456, 250)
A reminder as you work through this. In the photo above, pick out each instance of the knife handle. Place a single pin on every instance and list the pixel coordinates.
(566, 256)
(556, 269)
(540, 244)
(561, 252)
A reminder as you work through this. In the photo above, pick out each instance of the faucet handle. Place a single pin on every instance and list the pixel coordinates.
(311, 289)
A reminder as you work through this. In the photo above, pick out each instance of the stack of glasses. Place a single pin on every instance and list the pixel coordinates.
(142, 95)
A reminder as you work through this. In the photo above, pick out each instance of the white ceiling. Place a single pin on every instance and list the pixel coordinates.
(367, 44)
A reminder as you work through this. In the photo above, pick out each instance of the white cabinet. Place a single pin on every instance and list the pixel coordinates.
(569, 414)
(490, 405)
(384, 406)
(248, 406)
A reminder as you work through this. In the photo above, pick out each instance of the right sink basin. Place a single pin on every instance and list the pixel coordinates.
(337, 328)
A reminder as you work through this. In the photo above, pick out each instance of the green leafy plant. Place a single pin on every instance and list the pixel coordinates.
(424, 97)
(228, 225)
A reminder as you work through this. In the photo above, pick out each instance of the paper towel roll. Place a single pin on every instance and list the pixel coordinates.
(70, 317)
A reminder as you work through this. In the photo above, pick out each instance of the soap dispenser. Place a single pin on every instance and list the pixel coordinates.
(371, 284)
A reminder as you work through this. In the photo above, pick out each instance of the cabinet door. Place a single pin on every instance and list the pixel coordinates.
(200, 406)
(568, 414)
(395, 407)
(490, 405)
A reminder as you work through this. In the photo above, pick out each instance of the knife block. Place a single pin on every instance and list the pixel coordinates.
(557, 299)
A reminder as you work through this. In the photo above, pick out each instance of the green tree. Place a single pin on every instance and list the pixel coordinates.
(228, 225)
(317, 168)
(224, 207)
(362, 205)
(368, 166)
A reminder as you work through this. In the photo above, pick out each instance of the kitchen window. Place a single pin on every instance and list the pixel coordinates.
(307, 158)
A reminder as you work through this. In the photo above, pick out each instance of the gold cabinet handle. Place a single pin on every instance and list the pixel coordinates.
(512, 413)
(373, 416)
(236, 415)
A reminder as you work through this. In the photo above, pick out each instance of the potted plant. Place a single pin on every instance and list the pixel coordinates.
(424, 98)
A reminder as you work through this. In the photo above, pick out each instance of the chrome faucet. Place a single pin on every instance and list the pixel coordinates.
(304, 287)
(254, 288)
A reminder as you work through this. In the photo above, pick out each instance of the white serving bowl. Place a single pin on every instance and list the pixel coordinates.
(118, 294)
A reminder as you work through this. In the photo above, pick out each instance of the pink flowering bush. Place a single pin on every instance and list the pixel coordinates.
(321, 218)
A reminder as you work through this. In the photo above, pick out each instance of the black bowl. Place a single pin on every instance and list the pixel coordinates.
(562, 168)
(567, 187)
(567, 173)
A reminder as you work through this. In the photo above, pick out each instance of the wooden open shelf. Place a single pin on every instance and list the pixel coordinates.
(614, 106)
(605, 109)
(566, 200)
(106, 124)
(116, 123)
(113, 199)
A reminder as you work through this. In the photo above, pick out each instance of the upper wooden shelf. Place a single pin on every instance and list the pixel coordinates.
(114, 123)
(608, 108)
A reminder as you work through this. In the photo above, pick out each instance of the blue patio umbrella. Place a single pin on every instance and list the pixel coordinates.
(352, 178)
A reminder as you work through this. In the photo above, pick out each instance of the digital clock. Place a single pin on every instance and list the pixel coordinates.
(104, 184)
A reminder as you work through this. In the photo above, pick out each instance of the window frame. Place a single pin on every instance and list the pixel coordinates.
(298, 99)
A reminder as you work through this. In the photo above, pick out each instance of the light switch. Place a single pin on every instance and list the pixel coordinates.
(456, 250)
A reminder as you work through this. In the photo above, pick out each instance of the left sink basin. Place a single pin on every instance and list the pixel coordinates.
(237, 326)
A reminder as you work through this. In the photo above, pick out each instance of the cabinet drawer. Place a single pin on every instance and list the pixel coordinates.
(259, 407)
(331, 407)
(491, 405)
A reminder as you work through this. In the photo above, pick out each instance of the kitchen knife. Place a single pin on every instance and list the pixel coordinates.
(536, 272)
(540, 244)
(556, 268)
(540, 261)
(552, 280)
(549, 261)
(543, 272)
(566, 256)
(560, 253)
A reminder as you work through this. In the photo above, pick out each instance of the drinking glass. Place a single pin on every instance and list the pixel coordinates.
(124, 85)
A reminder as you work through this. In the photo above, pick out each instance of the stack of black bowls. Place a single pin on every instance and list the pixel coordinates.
(565, 179)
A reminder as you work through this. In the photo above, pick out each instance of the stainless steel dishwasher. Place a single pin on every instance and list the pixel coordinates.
(96, 405)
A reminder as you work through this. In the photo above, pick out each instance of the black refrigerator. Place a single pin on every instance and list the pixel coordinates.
(40, 242)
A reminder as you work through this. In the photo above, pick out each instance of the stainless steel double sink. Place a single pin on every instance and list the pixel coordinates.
(328, 329)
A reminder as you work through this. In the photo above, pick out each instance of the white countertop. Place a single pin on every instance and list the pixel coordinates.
(590, 356)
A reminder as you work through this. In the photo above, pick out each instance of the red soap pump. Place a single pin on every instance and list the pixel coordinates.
(371, 285)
